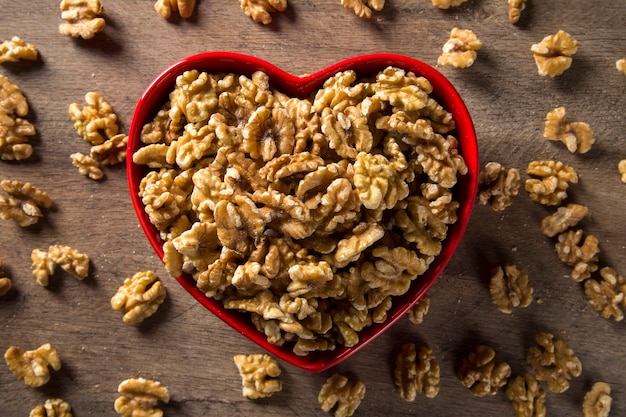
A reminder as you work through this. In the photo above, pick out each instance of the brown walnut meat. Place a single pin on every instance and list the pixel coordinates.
(460, 50)
(274, 206)
(363, 8)
(53, 407)
(44, 263)
(509, 288)
(621, 167)
(15, 49)
(515, 9)
(33, 366)
(577, 136)
(87, 166)
(342, 393)
(446, 4)
(139, 297)
(527, 396)
(608, 295)
(551, 182)
(564, 218)
(259, 375)
(553, 55)
(259, 10)
(82, 18)
(95, 122)
(14, 129)
(5, 282)
(141, 397)
(597, 401)
(620, 64)
(417, 313)
(24, 202)
(581, 254)
(183, 7)
(480, 372)
(553, 362)
(416, 372)
(496, 185)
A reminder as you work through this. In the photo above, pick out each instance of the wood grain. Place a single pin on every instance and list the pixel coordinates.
(188, 349)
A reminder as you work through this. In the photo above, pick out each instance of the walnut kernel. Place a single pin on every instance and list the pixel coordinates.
(496, 185)
(82, 18)
(33, 366)
(71, 260)
(509, 288)
(53, 407)
(550, 186)
(416, 372)
(259, 10)
(446, 4)
(480, 372)
(96, 122)
(553, 362)
(583, 257)
(621, 167)
(343, 393)
(597, 401)
(527, 396)
(620, 64)
(515, 9)
(183, 7)
(460, 50)
(14, 130)
(140, 398)
(419, 310)
(24, 202)
(553, 55)
(15, 49)
(363, 8)
(87, 166)
(5, 282)
(577, 136)
(139, 297)
(259, 375)
(608, 295)
(564, 218)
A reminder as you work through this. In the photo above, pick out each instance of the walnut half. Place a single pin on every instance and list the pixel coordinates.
(259, 375)
(33, 366)
(553, 362)
(140, 398)
(607, 296)
(53, 407)
(343, 393)
(480, 372)
(139, 297)
(553, 55)
(527, 396)
(509, 288)
(416, 371)
(577, 136)
(460, 50)
(597, 401)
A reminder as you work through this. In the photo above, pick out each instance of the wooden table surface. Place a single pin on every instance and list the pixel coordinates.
(189, 350)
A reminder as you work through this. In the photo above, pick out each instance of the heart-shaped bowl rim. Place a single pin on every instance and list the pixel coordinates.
(156, 95)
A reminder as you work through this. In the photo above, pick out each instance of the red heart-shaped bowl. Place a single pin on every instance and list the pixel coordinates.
(366, 65)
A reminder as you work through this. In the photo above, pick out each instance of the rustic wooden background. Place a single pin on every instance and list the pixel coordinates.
(188, 349)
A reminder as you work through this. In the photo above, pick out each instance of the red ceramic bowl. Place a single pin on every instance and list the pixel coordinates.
(465, 191)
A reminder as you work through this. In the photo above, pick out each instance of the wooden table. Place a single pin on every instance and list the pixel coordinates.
(188, 349)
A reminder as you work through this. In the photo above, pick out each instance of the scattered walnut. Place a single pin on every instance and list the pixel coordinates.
(5, 282)
(480, 372)
(44, 263)
(140, 398)
(597, 401)
(553, 362)
(363, 8)
(577, 136)
(259, 10)
(112, 151)
(139, 297)
(275, 206)
(183, 7)
(564, 218)
(553, 55)
(82, 18)
(87, 166)
(621, 167)
(515, 9)
(527, 396)
(415, 372)
(446, 4)
(32, 366)
(460, 50)
(496, 185)
(15, 49)
(620, 64)
(53, 407)
(607, 296)
(419, 310)
(259, 375)
(96, 122)
(550, 188)
(14, 130)
(24, 202)
(509, 288)
(583, 257)
(343, 393)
